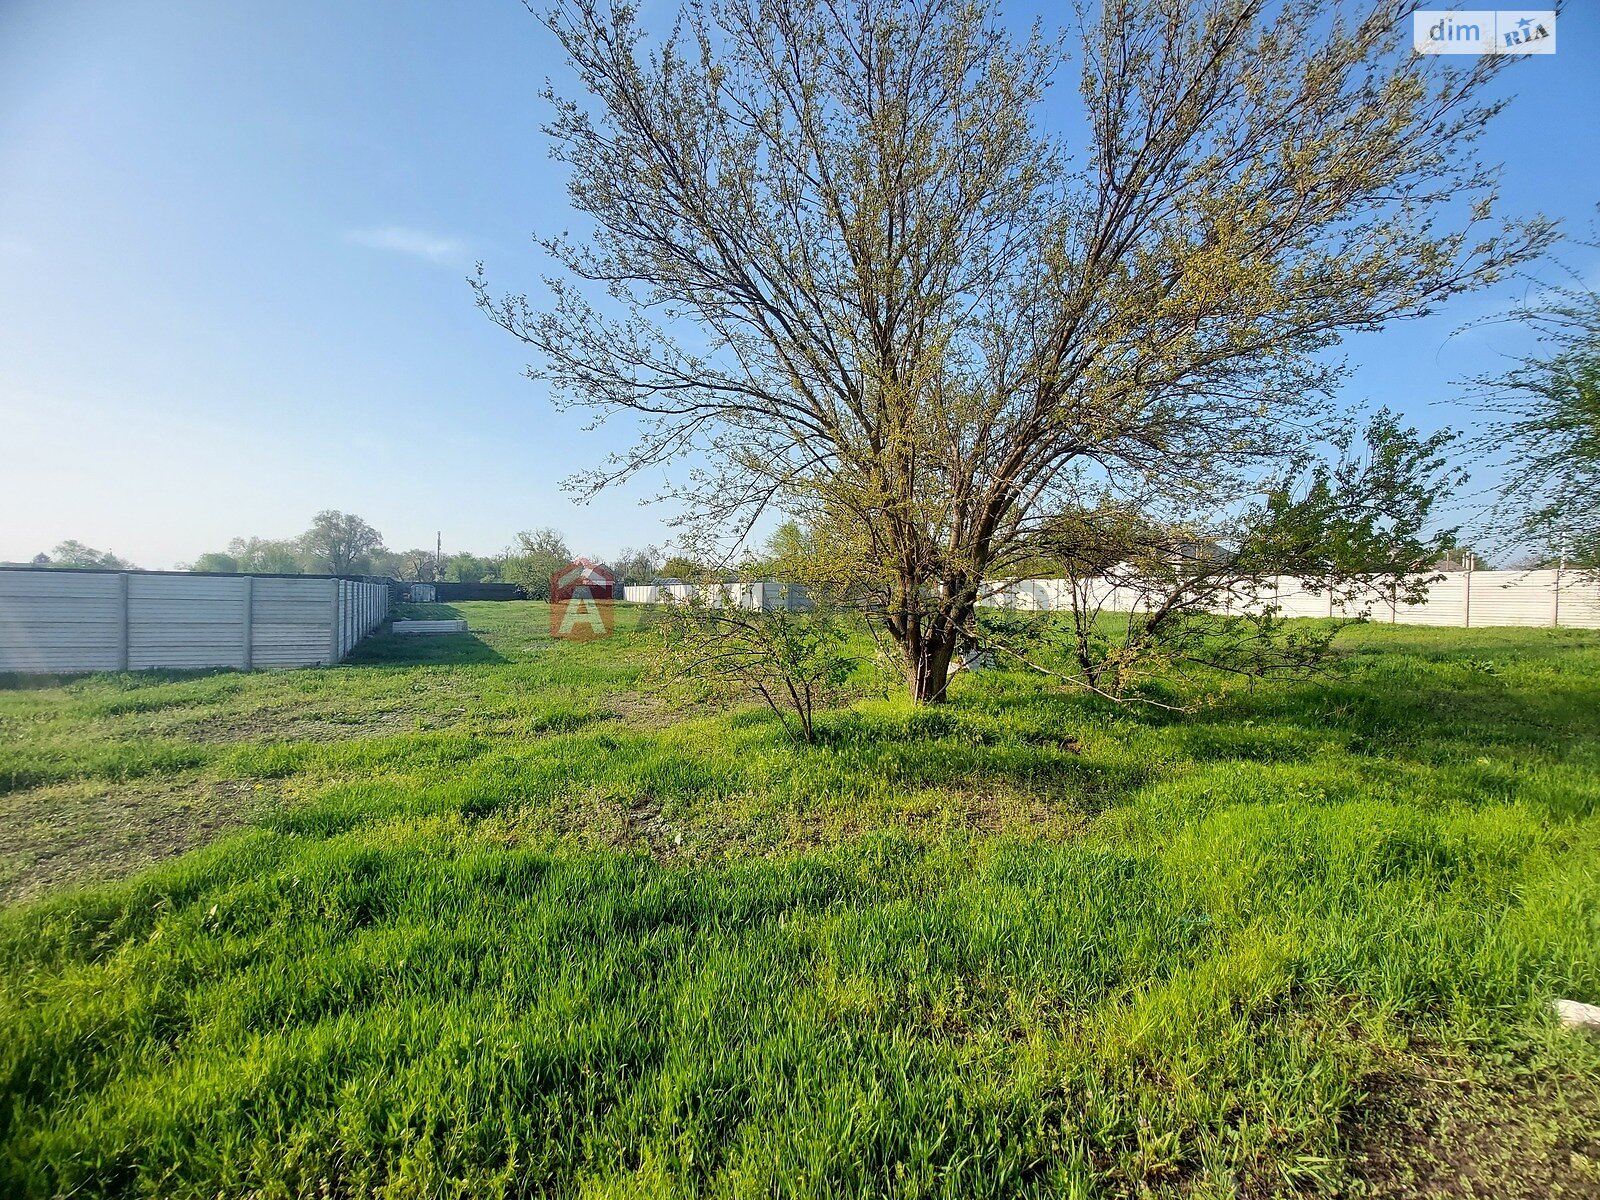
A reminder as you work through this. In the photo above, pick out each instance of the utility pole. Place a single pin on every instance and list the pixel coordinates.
(438, 554)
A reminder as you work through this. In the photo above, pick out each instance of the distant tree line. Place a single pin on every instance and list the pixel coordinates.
(339, 543)
(73, 553)
(336, 543)
(538, 554)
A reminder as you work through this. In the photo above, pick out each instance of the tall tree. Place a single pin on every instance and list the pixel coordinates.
(787, 551)
(417, 566)
(267, 556)
(1542, 425)
(862, 277)
(339, 543)
(537, 555)
(215, 563)
(636, 564)
(466, 567)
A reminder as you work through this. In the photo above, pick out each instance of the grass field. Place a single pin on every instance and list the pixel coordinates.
(475, 917)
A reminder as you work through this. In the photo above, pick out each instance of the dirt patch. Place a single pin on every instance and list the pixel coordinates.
(1537, 1138)
(62, 835)
(622, 824)
(643, 712)
(269, 727)
(992, 808)
(643, 824)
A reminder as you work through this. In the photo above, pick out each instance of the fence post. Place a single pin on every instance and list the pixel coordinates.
(1555, 599)
(122, 622)
(247, 657)
(1466, 622)
(333, 624)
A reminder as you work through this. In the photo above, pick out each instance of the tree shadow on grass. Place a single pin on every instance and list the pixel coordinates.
(425, 612)
(1426, 718)
(1501, 716)
(421, 650)
(14, 681)
(1419, 696)
(1001, 743)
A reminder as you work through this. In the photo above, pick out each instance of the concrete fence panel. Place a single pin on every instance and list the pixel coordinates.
(1465, 599)
(754, 597)
(77, 621)
(179, 622)
(69, 623)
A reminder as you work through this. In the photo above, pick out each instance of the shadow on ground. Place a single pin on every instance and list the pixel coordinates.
(414, 650)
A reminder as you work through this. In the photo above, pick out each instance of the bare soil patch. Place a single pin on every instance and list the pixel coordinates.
(1535, 1137)
(60, 835)
(287, 727)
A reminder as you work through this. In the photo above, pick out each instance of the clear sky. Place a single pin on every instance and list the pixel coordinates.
(233, 242)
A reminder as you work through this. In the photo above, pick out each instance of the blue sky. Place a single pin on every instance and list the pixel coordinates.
(233, 242)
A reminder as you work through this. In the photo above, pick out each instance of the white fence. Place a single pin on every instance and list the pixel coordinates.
(756, 597)
(1469, 599)
(72, 621)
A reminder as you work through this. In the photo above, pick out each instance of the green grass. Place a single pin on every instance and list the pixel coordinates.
(483, 920)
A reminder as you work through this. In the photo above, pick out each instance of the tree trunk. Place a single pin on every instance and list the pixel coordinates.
(928, 667)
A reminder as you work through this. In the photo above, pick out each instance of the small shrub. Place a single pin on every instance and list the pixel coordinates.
(795, 663)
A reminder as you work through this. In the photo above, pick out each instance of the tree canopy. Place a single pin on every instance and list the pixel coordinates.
(343, 543)
(340, 543)
(844, 255)
(1543, 428)
(336, 543)
(537, 555)
(215, 563)
(73, 553)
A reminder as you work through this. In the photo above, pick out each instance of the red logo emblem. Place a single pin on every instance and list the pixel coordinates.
(581, 596)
